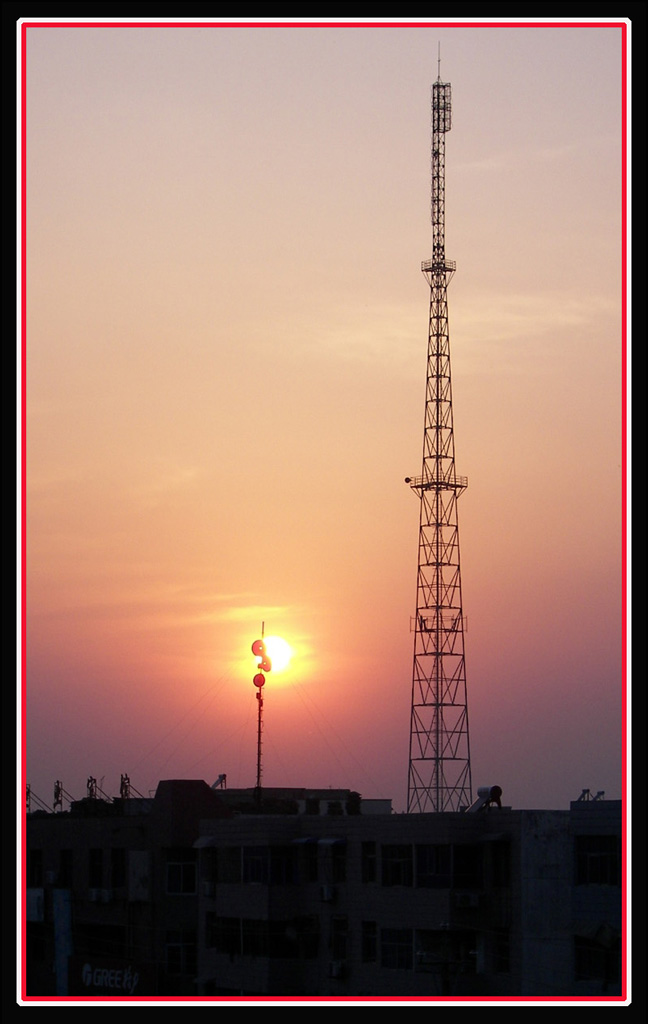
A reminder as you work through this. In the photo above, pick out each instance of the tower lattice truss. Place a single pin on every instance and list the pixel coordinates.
(439, 763)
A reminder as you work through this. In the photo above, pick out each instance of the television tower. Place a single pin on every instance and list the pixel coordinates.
(439, 756)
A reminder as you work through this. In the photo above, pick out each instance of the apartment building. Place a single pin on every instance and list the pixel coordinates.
(321, 893)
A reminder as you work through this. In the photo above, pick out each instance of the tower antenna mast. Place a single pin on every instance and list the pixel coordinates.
(439, 754)
(264, 665)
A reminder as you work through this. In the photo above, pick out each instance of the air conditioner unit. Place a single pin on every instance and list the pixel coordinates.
(336, 969)
(328, 893)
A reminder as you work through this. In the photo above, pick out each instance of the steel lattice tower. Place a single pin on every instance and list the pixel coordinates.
(439, 759)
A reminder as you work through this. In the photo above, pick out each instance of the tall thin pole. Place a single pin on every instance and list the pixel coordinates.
(439, 758)
(259, 735)
(259, 649)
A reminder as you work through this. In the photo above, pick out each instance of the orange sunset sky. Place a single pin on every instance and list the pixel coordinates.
(226, 333)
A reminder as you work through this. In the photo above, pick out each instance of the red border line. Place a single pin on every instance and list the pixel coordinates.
(622, 25)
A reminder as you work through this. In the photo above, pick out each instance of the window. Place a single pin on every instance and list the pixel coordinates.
(210, 865)
(339, 936)
(368, 862)
(283, 940)
(397, 865)
(433, 866)
(66, 869)
(35, 868)
(283, 867)
(255, 937)
(181, 879)
(181, 952)
(181, 872)
(307, 930)
(223, 934)
(468, 866)
(229, 864)
(396, 948)
(256, 861)
(95, 868)
(338, 862)
(118, 867)
(369, 951)
(307, 862)
(500, 852)
(597, 860)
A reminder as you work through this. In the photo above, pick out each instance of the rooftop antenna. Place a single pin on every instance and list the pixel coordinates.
(59, 793)
(439, 61)
(31, 796)
(264, 665)
(126, 788)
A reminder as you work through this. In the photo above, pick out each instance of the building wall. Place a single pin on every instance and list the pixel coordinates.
(189, 899)
(501, 922)
(385, 922)
(111, 888)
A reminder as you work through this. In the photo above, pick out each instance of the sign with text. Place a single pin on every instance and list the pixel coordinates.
(95, 976)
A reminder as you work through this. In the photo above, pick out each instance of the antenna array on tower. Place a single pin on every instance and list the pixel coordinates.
(439, 759)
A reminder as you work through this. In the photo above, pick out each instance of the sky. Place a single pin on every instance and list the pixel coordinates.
(226, 335)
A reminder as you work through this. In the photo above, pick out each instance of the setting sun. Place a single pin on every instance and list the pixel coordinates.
(279, 651)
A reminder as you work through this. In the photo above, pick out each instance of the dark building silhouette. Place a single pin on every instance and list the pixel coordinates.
(320, 893)
(111, 893)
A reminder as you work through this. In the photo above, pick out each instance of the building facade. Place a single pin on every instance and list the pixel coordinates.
(501, 902)
(111, 899)
(319, 893)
